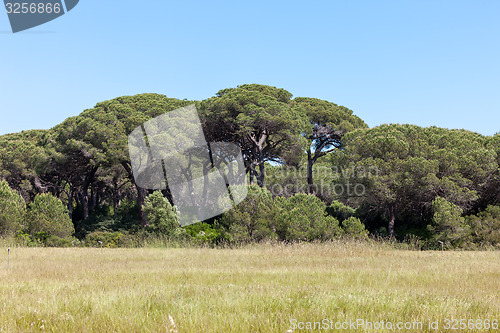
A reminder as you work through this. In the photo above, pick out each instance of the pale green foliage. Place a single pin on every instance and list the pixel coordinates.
(48, 215)
(354, 228)
(303, 218)
(449, 225)
(161, 216)
(12, 209)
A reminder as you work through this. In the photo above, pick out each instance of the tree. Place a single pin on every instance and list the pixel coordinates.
(47, 214)
(260, 119)
(23, 157)
(448, 225)
(12, 209)
(251, 220)
(485, 226)
(303, 217)
(100, 135)
(411, 166)
(328, 123)
(162, 217)
(354, 228)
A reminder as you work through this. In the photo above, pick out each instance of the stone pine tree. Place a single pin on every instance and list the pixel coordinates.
(327, 124)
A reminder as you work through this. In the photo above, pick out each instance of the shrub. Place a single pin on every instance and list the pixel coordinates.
(203, 233)
(303, 217)
(161, 216)
(12, 209)
(340, 211)
(48, 215)
(354, 228)
(54, 241)
(251, 220)
(104, 239)
(486, 226)
(448, 226)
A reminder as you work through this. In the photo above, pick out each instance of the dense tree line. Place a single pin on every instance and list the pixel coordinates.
(315, 169)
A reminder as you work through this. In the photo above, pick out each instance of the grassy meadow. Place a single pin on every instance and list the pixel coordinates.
(260, 288)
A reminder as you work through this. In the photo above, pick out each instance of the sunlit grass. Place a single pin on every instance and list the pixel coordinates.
(253, 289)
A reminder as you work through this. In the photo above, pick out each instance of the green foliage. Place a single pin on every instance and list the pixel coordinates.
(449, 226)
(260, 119)
(486, 226)
(106, 239)
(250, 221)
(354, 228)
(303, 217)
(162, 217)
(203, 233)
(340, 211)
(12, 210)
(411, 166)
(54, 241)
(402, 170)
(48, 215)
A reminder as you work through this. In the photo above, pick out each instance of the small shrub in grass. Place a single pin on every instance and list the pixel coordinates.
(448, 225)
(54, 241)
(251, 220)
(303, 217)
(24, 239)
(48, 216)
(354, 228)
(104, 239)
(203, 233)
(161, 216)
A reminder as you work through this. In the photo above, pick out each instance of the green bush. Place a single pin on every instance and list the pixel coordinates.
(486, 227)
(12, 210)
(448, 225)
(161, 216)
(104, 239)
(203, 233)
(340, 211)
(354, 228)
(303, 217)
(251, 220)
(48, 216)
(54, 241)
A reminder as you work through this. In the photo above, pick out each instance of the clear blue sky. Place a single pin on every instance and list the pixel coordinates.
(421, 62)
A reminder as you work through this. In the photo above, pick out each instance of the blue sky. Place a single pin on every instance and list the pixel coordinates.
(420, 62)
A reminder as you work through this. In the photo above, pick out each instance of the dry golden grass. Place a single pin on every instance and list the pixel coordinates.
(259, 288)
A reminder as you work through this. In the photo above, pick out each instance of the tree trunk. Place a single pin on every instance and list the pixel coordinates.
(261, 175)
(392, 222)
(141, 195)
(70, 202)
(85, 191)
(310, 181)
(251, 174)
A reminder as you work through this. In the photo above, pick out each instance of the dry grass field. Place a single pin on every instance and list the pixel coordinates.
(261, 288)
